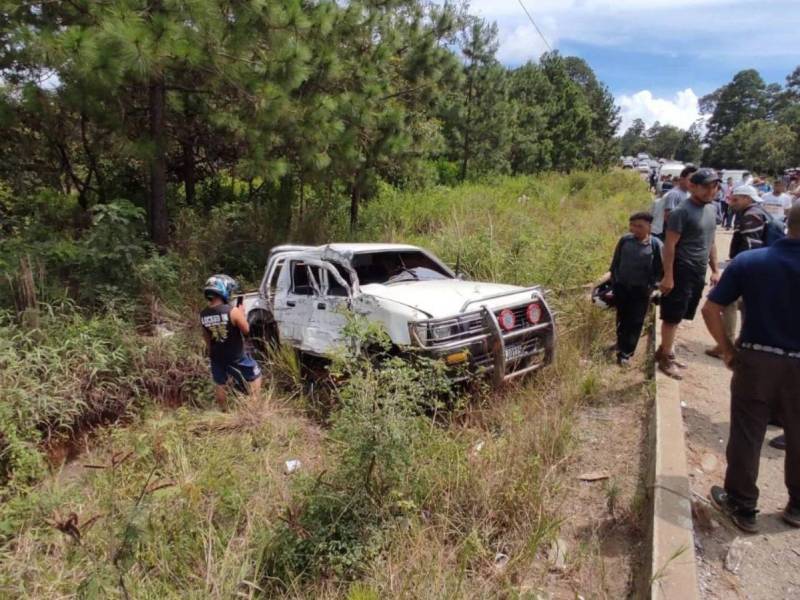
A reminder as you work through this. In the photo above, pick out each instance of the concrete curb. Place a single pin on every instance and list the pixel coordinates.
(673, 571)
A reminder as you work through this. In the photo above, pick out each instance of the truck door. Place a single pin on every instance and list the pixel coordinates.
(297, 292)
(329, 314)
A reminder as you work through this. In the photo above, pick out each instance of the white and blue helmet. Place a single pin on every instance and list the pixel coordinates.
(220, 285)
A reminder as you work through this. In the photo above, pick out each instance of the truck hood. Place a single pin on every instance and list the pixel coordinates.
(443, 298)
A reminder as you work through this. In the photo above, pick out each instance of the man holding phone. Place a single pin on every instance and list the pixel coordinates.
(224, 328)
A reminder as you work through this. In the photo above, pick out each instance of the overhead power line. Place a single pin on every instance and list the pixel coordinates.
(539, 31)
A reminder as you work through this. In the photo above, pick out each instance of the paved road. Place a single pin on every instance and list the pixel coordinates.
(771, 565)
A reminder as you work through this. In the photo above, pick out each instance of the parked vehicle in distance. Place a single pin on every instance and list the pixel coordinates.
(306, 293)
(642, 156)
(627, 163)
(666, 173)
(740, 176)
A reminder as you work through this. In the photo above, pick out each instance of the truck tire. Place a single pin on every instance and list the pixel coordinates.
(263, 331)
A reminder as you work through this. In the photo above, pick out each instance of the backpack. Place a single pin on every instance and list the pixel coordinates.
(773, 229)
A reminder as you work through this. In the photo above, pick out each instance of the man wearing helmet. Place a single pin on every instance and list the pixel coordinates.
(224, 328)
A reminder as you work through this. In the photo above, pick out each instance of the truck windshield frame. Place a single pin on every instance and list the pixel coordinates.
(393, 266)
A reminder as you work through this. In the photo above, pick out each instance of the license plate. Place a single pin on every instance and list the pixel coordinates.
(514, 352)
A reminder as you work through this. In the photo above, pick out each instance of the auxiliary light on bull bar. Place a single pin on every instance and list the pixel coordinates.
(506, 319)
(534, 313)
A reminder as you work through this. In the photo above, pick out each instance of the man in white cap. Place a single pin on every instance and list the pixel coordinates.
(748, 233)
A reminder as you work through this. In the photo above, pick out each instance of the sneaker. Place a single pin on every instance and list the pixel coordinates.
(666, 366)
(743, 518)
(778, 442)
(624, 361)
(714, 352)
(791, 514)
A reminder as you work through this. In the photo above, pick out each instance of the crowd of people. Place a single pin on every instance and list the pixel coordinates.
(669, 255)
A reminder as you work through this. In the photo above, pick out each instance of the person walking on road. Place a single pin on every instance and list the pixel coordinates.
(777, 202)
(224, 328)
(688, 249)
(766, 370)
(635, 271)
(749, 233)
(670, 202)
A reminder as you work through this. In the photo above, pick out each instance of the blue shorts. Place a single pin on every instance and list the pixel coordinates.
(243, 369)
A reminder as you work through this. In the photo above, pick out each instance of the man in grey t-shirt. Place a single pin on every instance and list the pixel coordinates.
(670, 202)
(689, 247)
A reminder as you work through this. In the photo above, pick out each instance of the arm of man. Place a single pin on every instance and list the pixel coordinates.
(752, 228)
(207, 339)
(668, 261)
(712, 262)
(726, 292)
(614, 262)
(238, 319)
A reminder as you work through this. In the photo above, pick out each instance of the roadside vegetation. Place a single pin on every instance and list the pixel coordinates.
(407, 488)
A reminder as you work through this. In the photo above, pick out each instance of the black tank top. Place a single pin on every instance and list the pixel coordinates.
(227, 343)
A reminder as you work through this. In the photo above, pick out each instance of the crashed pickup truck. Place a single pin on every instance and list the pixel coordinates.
(306, 292)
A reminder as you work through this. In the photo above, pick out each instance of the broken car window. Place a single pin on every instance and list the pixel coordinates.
(394, 267)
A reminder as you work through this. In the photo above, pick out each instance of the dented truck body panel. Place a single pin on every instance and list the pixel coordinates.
(306, 292)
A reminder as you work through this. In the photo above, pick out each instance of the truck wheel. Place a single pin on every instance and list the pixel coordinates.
(263, 333)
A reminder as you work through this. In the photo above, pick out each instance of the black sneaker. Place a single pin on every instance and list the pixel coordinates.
(743, 518)
(778, 442)
(791, 514)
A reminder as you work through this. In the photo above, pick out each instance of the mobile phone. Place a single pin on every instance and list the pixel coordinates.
(239, 301)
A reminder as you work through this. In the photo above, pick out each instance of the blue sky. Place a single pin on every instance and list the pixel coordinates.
(657, 56)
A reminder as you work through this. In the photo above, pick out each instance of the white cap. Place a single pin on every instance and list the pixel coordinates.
(747, 190)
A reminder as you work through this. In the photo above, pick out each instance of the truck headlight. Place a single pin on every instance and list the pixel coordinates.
(443, 331)
(433, 332)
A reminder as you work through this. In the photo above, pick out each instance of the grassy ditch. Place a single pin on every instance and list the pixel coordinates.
(390, 500)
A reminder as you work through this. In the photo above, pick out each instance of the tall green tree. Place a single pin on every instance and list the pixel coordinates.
(570, 121)
(664, 141)
(605, 120)
(634, 139)
(744, 99)
(531, 145)
(690, 147)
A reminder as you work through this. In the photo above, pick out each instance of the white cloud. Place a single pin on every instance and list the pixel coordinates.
(652, 26)
(524, 43)
(681, 111)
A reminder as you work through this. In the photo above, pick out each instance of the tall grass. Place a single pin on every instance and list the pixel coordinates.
(553, 230)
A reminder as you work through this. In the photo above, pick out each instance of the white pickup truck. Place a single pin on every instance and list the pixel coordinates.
(305, 294)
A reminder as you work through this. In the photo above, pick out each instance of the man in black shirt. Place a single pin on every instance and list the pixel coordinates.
(748, 234)
(224, 328)
(635, 270)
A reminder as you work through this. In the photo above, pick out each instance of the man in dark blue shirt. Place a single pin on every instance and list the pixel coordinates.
(635, 272)
(766, 369)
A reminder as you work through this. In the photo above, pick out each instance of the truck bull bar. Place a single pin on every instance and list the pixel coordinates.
(495, 337)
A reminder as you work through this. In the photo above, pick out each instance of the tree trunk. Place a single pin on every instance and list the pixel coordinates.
(467, 149)
(355, 201)
(188, 171)
(283, 212)
(157, 205)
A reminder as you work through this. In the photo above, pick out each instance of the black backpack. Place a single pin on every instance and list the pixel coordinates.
(773, 229)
